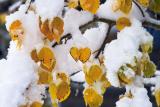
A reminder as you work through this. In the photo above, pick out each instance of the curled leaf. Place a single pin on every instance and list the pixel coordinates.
(90, 5)
(52, 29)
(56, 27)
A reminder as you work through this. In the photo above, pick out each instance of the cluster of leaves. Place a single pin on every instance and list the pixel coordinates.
(95, 76)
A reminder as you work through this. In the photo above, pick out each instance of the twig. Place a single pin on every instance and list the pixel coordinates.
(151, 25)
(139, 7)
(74, 73)
(30, 1)
(104, 42)
(85, 26)
(76, 82)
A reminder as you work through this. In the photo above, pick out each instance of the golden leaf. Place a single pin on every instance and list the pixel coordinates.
(74, 52)
(85, 54)
(105, 83)
(90, 5)
(34, 55)
(17, 32)
(36, 104)
(95, 72)
(44, 77)
(47, 58)
(122, 5)
(53, 91)
(122, 22)
(157, 97)
(73, 3)
(144, 3)
(63, 91)
(44, 27)
(63, 76)
(92, 98)
(57, 28)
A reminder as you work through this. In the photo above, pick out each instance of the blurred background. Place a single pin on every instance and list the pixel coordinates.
(76, 97)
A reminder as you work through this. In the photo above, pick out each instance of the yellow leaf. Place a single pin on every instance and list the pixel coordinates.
(74, 52)
(57, 28)
(95, 72)
(52, 92)
(73, 3)
(17, 32)
(122, 22)
(63, 91)
(157, 97)
(105, 83)
(47, 58)
(44, 27)
(85, 54)
(144, 3)
(36, 104)
(147, 47)
(63, 76)
(34, 55)
(122, 5)
(92, 98)
(44, 77)
(90, 5)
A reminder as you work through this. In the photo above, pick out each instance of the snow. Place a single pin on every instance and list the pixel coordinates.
(105, 11)
(74, 18)
(48, 9)
(95, 36)
(124, 49)
(16, 74)
(19, 71)
(139, 99)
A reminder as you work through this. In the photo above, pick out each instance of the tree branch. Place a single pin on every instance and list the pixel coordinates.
(104, 42)
(84, 27)
(151, 25)
(139, 7)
